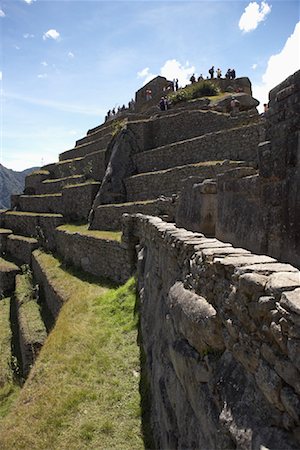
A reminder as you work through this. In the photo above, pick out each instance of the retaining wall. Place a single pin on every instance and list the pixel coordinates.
(263, 213)
(21, 247)
(109, 217)
(47, 203)
(77, 200)
(100, 257)
(54, 298)
(153, 184)
(40, 226)
(56, 185)
(220, 332)
(86, 148)
(239, 144)
(176, 126)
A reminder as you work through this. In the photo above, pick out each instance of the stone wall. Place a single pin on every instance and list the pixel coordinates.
(220, 332)
(77, 201)
(237, 144)
(263, 213)
(100, 257)
(109, 217)
(54, 298)
(20, 248)
(49, 203)
(153, 184)
(86, 148)
(91, 165)
(40, 226)
(169, 128)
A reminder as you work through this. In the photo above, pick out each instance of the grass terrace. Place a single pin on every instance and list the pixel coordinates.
(83, 229)
(8, 388)
(83, 392)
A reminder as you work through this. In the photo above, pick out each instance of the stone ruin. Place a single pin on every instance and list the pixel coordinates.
(209, 207)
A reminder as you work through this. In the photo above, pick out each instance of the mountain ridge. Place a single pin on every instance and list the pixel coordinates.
(11, 182)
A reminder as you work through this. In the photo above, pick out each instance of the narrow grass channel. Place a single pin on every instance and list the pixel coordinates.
(83, 392)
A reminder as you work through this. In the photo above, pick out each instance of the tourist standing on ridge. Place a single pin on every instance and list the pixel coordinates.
(219, 73)
(193, 79)
(232, 74)
(200, 78)
(211, 72)
(163, 104)
(148, 94)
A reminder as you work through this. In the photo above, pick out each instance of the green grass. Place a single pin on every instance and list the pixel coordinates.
(30, 319)
(83, 392)
(193, 91)
(83, 229)
(8, 388)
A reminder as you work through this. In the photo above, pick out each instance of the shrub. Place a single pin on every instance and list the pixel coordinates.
(197, 90)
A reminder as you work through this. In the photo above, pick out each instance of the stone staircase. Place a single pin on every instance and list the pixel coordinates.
(172, 146)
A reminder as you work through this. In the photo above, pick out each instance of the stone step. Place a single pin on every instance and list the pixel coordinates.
(167, 182)
(86, 148)
(95, 253)
(91, 166)
(159, 131)
(77, 200)
(96, 133)
(44, 268)
(40, 226)
(6, 373)
(109, 217)
(8, 272)
(33, 180)
(32, 330)
(236, 144)
(4, 233)
(51, 186)
(44, 203)
(21, 247)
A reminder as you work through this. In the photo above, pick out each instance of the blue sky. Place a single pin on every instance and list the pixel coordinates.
(64, 63)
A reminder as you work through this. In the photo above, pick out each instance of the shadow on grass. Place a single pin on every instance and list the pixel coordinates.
(85, 276)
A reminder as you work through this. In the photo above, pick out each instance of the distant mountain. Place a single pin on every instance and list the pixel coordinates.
(11, 182)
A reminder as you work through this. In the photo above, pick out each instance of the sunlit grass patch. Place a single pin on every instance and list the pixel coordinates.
(83, 392)
(83, 229)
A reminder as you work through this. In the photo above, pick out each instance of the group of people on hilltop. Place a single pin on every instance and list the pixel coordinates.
(111, 113)
(230, 74)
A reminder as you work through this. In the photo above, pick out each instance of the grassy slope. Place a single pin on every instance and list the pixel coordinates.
(8, 389)
(83, 392)
(83, 229)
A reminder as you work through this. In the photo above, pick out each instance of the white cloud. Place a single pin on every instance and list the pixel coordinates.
(2, 13)
(44, 63)
(17, 47)
(253, 15)
(29, 1)
(1, 76)
(170, 70)
(279, 66)
(71, 55)
(51, 34)
(42, 75)
(145, 73)
(28, 35)
(254, 66)
(174, 69)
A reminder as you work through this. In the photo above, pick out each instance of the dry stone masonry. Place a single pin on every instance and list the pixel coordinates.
(208, 205)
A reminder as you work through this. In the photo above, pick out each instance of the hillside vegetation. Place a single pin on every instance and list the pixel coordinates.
(11, 182)
(83, 392)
